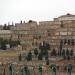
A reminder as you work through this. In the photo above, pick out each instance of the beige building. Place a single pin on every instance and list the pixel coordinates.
(32, 33)
(59, 32)
(61, 28)
(5, 34)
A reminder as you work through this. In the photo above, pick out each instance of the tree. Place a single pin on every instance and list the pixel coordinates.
(35, 51)
(64, 57)
(40, 70)
(71, 52)
(72, 41)
(30, 21)
(63, 52)
(65, 41)
(46, 55)
(67, 52)
(68, 68)
(20, 57)
(18, 42)
(68, 57)
(32, 43)
(3, 45)
(5, 27)
(29, 56)
(68, 41)
(10, 69)
(53, 67)
(47, 62)
(26, 71)
(14, 43)
(44, 47)
(8, 27)
(61, 42)
(58, 53)
(21, 22)
(40, 56)
(47, 46)
(40, 46)
(53, 53)
(4, 72)
(60, 47)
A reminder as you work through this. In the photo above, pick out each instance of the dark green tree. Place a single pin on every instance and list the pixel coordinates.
(5, 27)
(40, 70)
(29, 56)
(68, 57)
(47, 62)
(53, 52)
(46, 56)
(63, 52)
(67, 52)
(64, 57)
(53, 67)
(20, 57)
(35, 51)
(40, 57)
(60, 47)
(3, 45)
(65, 41)
(30, 21)
(4, 72)
(58, 53)
(44, 47)
(47, 46)
(26, 71)
(72, 41)
(68, 41)
(71, 52)
(8, 27)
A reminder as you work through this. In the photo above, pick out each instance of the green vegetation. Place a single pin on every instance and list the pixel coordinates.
(29, 56)
(11, 43)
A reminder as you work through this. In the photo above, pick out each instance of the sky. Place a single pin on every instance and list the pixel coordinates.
(37, 10)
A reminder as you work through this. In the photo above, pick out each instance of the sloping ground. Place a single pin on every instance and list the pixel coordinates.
(7, 53)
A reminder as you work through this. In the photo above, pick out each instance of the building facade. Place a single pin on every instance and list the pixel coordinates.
(59, 34)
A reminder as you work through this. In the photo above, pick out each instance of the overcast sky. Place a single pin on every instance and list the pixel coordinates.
(38, 10)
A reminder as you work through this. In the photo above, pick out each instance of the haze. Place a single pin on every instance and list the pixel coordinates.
(38, 10)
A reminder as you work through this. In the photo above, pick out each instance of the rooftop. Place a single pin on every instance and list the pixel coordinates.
(67, 15)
